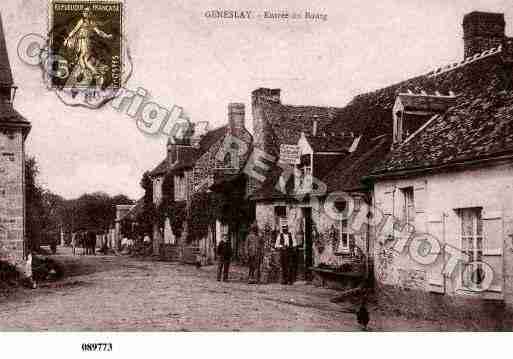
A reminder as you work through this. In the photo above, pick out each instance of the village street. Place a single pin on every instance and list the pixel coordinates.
(119, 293)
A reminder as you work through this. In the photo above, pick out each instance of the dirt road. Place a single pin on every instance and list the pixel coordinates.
(119, 293)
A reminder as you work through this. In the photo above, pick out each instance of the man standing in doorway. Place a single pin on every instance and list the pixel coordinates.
(286, 244)
(224, 256)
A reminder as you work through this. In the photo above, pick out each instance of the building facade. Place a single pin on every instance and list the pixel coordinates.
(14, 246)
(447, 183)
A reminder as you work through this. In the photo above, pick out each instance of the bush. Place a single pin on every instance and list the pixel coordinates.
(46, 269)
(8, 273)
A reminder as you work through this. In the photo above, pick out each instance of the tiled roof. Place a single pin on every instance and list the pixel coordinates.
(287, 122)
(349, 172)
(210, 138)
(161, 168)
(5, 67)
(479, 126)
(9, 116)
(340, 173)
(187, 155)
(326, 142)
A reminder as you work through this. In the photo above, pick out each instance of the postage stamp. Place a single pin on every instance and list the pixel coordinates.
(86, 45)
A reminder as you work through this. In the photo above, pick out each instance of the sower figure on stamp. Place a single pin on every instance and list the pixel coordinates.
(224, 256)
(285, 243)
(80, 41)
(254, 246)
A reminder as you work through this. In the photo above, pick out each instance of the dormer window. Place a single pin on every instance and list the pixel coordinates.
(413, 110)
(303, 179)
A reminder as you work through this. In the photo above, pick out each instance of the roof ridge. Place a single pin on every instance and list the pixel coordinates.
(433, 73)
(217, 128)
(468, 60)
(311, 106)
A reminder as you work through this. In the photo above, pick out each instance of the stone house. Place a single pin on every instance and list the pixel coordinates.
(172, 174)
(14, 128)
(199, 176)
(312, 194)
(122, 211)
(447, 181)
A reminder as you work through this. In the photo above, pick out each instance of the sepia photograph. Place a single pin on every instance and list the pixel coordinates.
(246, 166)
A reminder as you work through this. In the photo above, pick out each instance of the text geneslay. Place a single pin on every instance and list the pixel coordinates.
(264, 14)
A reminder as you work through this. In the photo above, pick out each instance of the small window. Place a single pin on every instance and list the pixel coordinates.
(280, 211)
(303, 175)
(408, 205)
(280, 217)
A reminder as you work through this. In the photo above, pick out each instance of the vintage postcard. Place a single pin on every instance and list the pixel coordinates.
(226, 166)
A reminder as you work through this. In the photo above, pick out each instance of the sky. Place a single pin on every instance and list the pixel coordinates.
(201, 64)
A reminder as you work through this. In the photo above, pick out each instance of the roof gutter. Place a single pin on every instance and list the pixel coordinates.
(458, 165)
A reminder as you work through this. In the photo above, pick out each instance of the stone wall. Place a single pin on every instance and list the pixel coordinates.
(12, 223)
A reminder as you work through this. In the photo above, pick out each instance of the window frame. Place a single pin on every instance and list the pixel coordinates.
(303, 181)
(180, 187)
(408, 205)
(344, 235)
(471, 245)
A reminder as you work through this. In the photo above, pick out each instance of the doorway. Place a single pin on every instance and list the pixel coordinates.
(308, 245)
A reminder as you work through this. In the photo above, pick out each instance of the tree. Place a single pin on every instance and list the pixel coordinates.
(147, 215)
(34, 204)
(48, 213)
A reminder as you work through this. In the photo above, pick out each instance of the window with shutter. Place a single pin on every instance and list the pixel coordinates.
(493, 234)
(472, 245)
(407, 205)
(387, 206)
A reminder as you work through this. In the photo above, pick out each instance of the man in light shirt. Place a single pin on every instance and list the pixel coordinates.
(286, 244)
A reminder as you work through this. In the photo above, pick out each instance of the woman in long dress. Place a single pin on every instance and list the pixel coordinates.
(80, 40)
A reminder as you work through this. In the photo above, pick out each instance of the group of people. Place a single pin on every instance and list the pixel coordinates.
(131, 243)
(85, 240)
(285, 243)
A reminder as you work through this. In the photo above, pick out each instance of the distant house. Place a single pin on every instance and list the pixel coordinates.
(14, 128)
(120, 224)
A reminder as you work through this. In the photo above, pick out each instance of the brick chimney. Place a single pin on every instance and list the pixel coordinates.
(266, 95)
(236, 117)
(482, 31)
(261, 100)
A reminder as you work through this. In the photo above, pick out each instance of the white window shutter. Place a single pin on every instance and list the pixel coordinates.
(420, 197)
(493, 242)
(387, 206)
